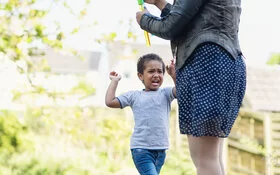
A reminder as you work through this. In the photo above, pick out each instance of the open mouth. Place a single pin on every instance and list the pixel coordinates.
(155, 82)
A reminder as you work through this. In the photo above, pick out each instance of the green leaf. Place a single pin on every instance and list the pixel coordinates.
(274, 59)
(60, 36)
(39, 30)
(76, 30)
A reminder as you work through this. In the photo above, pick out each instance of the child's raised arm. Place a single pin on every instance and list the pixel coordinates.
(172, 72)
(110, 97)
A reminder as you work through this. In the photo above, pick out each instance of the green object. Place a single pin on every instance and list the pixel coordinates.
(140, 2)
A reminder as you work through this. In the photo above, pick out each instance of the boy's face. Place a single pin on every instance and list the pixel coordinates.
(152, 76)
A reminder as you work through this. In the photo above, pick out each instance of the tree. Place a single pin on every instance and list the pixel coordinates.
(23, 30)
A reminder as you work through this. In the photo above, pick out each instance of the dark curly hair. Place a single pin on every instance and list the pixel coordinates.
(146, 58)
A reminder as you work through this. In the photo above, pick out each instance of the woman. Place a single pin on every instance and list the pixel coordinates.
(210, 71)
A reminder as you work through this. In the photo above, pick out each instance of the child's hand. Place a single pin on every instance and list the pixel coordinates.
(115, 76)
(171, 68)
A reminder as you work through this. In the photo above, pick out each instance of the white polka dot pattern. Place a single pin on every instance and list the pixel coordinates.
(210, 90)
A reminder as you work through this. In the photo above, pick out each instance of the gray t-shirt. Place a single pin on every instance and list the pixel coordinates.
(151, 110)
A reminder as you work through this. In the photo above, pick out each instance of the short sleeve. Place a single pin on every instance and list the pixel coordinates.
(168, 91)
(126, 99)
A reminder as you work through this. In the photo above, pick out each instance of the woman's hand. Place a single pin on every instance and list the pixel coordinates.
(158, 3)
(140, 14)
(151, 1)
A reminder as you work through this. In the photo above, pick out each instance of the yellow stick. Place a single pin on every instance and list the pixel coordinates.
(146, 34)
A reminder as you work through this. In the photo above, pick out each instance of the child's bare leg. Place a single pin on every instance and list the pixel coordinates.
(205, 154)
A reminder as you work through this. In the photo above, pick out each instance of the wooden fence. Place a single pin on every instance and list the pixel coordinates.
(253, 147)
(254, 144)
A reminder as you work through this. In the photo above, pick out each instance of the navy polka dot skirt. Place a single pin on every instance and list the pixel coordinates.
(210, 89)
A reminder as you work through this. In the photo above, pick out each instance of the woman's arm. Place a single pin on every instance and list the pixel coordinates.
(174, 23)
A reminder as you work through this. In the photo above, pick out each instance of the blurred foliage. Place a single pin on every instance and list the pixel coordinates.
(274, 59)
(26, 31)
(83, 140)
(12, 134)
(24, 34)
(22, 30)
(83, 87)
(17, 151)
(53, 89)
(76, 140)
(178, 162)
